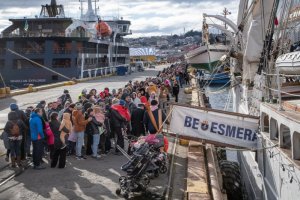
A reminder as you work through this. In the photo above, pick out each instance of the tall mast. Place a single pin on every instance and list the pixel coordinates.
(90, 15)
(225, 13)
(205, 38)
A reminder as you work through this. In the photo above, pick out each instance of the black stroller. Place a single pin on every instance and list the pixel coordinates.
(139, 164)
(160, 159)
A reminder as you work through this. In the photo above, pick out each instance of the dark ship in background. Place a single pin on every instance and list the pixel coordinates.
(51, 47)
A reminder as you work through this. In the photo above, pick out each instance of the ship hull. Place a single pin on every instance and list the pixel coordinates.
(201, 58)
(68, 57)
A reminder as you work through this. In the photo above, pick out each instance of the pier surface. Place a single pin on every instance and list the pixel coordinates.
(83, 179)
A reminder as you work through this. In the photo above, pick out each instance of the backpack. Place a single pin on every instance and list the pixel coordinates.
(15, 130)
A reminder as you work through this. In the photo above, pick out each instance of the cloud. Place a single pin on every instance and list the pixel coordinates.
(148, 17)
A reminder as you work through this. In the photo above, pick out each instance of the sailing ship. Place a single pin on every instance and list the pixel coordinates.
(51, 47)
(265, 71)
(207, 56)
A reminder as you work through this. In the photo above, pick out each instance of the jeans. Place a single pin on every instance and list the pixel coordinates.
(79, 143)
(37, 152)
(96, 139)
(15, 148)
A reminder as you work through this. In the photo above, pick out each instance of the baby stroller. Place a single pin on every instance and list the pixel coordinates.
(136, 168)
(160, 158)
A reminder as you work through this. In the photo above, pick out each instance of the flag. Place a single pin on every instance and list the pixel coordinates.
(276, 21)
(26, 26)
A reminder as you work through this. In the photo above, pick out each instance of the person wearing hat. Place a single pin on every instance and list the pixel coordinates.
(79, 127)
(154, 118)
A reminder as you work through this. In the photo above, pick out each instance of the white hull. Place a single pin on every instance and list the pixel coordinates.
(201, 55)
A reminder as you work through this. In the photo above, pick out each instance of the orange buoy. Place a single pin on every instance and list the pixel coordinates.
(103, 29)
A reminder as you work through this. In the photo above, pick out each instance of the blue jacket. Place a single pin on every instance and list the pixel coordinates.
(36, 127)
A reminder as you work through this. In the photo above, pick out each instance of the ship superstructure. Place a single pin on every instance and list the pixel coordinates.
(70, 47)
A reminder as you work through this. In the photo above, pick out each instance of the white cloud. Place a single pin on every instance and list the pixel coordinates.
(155, 17)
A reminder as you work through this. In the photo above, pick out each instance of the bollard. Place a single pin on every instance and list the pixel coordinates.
(7, 90)
(30, 88)
(2, 91)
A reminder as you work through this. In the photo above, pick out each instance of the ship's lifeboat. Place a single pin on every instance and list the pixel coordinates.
(289, 63)
(103, 29)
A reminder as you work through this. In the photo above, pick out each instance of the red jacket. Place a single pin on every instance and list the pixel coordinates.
(123, 111)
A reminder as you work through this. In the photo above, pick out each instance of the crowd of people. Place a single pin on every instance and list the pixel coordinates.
(95, 121)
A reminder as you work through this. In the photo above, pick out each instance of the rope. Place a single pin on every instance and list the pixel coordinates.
(283, 75)
(227, 102)
(219, 91)
(295, 95)
(38, 64)
(237, 149)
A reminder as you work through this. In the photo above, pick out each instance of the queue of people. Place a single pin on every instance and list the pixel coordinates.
(94, 124)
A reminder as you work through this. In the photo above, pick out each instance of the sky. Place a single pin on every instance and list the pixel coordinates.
(148, 17)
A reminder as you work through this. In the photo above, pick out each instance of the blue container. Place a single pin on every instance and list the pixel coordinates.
(121, 71)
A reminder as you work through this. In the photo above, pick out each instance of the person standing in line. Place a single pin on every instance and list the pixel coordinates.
(13, 128)
(37, 137)
(93, 129)
(175, 90)
(24, 131)
(42, 105)
(28, 136)
(59, 154)
(120, 116)
(79, 127)
(137, 121)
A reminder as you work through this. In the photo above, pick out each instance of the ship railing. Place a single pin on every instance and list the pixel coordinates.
(90, 73)
(91, 50)
(62, 51)
(31, 51)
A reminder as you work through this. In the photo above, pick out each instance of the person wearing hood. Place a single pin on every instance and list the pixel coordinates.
(13, 128)
(120, 116)
(65, 128)
(37, 137)
(79, 126)
(21, 116)
(82, 95)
